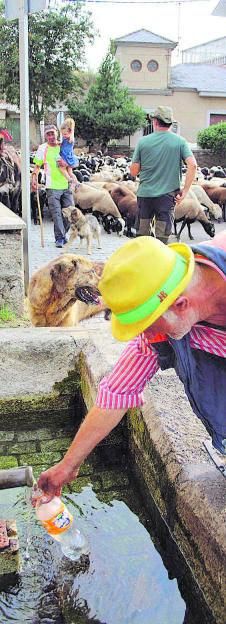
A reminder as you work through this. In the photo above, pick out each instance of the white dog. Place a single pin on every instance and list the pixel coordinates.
(82, 226)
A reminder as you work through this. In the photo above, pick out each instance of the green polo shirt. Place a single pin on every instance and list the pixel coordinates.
(160, 156)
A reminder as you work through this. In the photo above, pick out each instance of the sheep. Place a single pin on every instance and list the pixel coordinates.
(87, 197)
(212, 182)
(217, 194)
(214, 209)
(106, 175)
(217, 172)
(189, 211)
(126, 202)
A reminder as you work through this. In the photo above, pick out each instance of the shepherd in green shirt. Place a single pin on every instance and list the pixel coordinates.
(158, 159)
(58, 192)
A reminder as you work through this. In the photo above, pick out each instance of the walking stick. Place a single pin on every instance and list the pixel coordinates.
(40, 215)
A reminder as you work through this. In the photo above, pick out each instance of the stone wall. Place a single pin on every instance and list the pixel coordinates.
(11, 261)
(205, 158)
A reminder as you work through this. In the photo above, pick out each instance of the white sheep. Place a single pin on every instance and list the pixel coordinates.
(189, 211)
(99, 200)
(214, 209)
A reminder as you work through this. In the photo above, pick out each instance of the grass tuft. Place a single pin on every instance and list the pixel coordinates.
(6, 314)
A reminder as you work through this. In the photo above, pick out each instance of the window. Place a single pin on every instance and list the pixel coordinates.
(136, 65)
(152, 65)
(216, 118)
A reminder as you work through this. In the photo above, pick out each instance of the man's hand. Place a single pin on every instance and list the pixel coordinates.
(181, 195)
(52, 480)
(34, 182)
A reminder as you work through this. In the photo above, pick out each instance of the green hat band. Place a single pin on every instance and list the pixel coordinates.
(149, 306)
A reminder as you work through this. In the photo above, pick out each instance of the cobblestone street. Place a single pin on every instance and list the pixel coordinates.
(40, 256)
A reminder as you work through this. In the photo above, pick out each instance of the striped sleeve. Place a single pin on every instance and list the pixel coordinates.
(123, 387)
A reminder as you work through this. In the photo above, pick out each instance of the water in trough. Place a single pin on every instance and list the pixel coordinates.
(124, 579)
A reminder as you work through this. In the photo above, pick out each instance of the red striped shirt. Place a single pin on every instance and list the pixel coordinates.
(123, 387)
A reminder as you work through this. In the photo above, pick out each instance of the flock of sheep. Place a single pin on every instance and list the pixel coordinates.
(109, 191)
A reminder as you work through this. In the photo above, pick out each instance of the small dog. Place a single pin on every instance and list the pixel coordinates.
(84, 226)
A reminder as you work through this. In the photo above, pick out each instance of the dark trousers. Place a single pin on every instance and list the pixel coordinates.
(162, 208)
(56, 201)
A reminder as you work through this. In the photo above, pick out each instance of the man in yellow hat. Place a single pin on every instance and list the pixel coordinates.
(170, 303)
(158, 159)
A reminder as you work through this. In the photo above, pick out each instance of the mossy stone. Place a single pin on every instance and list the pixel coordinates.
(8, 462)
(70, 384)
(35, 434)
(38, 469)
(9, 562)
(81, 482)
(114, 479)
(40, 458)
(6, 436)
(18, 449)
(61, 444)
(86, 469)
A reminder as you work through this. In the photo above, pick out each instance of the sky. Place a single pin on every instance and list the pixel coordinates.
(191, 24)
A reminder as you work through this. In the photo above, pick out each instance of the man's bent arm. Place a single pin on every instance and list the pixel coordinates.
(135, 169)
(189, 178)
(191, 171)
(96, 426)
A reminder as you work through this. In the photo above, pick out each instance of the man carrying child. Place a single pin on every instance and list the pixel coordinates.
(59, 193)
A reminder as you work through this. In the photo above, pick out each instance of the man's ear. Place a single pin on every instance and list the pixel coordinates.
(181, 304)
(58, 277)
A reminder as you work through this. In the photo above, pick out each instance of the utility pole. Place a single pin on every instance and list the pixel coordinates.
(24, 135)
(19, 9)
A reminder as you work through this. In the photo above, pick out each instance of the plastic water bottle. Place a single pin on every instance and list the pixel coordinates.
(59, 523)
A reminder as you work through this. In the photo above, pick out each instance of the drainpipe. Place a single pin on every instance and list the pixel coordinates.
(16, 477)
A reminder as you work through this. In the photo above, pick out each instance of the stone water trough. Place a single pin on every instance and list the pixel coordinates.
(43, 372)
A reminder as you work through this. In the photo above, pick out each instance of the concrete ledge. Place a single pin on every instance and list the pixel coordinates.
(9, 220)
(11, 261)
(165, 438)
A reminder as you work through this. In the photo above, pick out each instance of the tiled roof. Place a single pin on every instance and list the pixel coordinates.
(200, 76)
(145, 36)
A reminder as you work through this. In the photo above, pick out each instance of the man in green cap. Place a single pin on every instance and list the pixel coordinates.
(158, 158)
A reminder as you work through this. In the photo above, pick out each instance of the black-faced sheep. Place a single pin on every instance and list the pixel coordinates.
(214, 210)
(189, 211)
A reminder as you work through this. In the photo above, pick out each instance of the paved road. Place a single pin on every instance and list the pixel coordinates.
(40, 256)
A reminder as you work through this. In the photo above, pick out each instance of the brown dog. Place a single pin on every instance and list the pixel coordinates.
(55, 289)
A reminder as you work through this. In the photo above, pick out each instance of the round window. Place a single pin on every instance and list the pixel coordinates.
(136, 65)
(152, 65)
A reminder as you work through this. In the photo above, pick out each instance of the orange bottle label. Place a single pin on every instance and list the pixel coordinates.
(60, 522)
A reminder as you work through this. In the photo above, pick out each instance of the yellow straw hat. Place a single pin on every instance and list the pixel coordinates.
(141, 280)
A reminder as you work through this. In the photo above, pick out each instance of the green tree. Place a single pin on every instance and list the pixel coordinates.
(213, 138)
(57, 41)
(108, 111)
